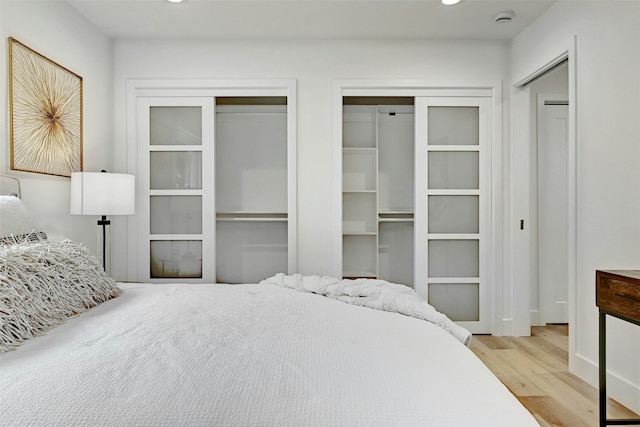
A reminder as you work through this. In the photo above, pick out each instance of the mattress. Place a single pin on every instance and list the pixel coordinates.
(248, 355)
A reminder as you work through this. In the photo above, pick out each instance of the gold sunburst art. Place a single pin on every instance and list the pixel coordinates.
(45, 102)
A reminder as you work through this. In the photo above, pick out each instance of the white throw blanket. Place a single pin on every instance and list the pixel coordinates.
(372, 293)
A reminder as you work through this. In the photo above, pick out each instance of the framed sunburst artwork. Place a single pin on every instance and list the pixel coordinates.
(45, 108)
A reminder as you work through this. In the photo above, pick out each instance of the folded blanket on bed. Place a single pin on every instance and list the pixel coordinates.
(372, 293)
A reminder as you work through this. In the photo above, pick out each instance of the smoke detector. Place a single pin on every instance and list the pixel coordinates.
(504, 17)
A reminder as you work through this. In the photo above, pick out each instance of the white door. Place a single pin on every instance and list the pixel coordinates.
(552, 211)
(175, 190)
(453, 207)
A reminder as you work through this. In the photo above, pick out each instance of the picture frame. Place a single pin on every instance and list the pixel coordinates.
(45, 114)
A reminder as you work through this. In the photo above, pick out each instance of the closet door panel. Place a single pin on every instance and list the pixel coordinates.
(453, 215)
(460, 301)
(453, 125)
(175, 170)
(175, 188)
(454, 170)
(176, 259)
(453, 258)
(175, 125)
(176, 214)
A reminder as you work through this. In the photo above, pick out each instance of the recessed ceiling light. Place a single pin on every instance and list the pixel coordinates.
(450, 2)
(174, 1)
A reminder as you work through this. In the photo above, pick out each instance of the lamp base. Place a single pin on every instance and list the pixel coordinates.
(104, 222)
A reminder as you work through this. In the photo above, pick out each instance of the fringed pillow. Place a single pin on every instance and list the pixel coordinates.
(43, 283)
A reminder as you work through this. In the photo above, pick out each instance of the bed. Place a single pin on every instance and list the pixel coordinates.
(78, 349)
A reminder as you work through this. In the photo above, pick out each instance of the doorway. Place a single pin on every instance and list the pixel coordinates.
(551, 304)
(548, 196)
(525, 192)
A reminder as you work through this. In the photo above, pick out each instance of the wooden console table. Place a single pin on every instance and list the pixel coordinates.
(618, 295)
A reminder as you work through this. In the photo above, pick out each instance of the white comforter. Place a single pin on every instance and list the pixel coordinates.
(372, 293)
(248, 355)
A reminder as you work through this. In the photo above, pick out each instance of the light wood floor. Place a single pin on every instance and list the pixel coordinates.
(535, 370)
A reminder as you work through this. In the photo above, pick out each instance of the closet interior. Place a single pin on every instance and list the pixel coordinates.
(378, 188)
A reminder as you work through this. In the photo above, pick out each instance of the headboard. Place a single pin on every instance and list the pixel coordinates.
(9, 185)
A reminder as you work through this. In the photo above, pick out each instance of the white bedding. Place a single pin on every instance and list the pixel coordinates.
(372, 293)
(248, 355)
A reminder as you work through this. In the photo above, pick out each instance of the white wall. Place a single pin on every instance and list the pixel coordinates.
(315, 65)
(608, 176)
(58, 32)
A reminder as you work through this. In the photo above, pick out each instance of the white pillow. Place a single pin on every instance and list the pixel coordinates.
(15, 218)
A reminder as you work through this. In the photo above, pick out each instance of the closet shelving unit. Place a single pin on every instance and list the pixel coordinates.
(377, 193)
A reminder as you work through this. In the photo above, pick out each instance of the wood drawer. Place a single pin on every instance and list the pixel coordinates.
(619, 293)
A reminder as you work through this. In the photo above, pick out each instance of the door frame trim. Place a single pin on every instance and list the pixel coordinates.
(518, 243)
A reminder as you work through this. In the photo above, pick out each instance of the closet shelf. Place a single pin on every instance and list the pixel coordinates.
(359, 233)
(353, 150)
(177, 147)
(400, 215)
(359, 275)
(382, 220)
(251, 216)
(453, 280)
(453, 192)
(182, 236)
(461, 147)
(453, 236)
(176, 192)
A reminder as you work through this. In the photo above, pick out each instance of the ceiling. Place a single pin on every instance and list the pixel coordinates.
(309, 19)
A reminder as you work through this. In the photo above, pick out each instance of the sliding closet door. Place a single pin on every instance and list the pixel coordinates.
(175, 189)
(453, 211)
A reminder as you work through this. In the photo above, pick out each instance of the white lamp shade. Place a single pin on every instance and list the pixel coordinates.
(101, 193)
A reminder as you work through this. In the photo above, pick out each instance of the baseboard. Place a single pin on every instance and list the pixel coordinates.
(503, 328)
(535, 318)
(619, 389)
